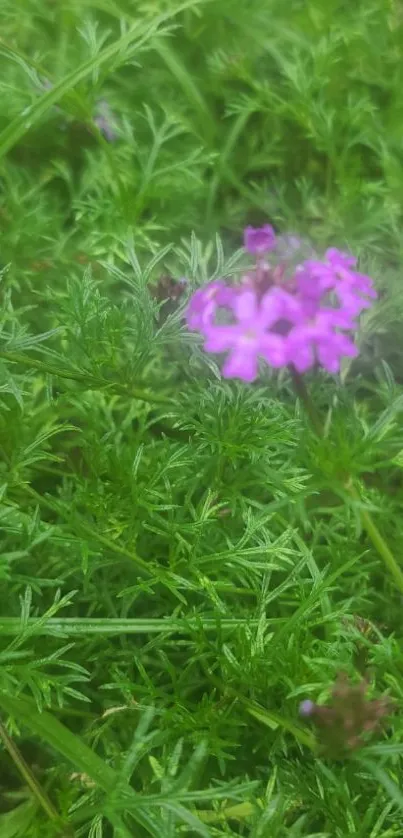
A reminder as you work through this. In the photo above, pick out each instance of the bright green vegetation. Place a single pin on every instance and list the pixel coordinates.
(182, 562)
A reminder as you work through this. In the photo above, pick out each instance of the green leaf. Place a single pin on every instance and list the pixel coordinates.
(87, 626)
(15, 823)
(392, 789)
(274, 720)
(184, 78)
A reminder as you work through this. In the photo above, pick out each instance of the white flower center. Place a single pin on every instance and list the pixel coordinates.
(249, 337)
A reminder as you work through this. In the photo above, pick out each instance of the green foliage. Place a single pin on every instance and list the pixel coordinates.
(182, 559)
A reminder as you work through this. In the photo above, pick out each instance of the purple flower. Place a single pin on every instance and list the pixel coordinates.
(354, 291)
(204, 303)
(259, 239)
(317, 339)
(314, 280)
(339, 259)
(298, 318)
(249, 337)
(350, 285)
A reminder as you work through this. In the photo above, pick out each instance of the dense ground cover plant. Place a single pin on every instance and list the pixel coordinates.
(189, 560)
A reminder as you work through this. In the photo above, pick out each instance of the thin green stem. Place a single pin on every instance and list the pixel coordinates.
(28, 776)
(377, 539)
(110, 626)
(367, 521)
(304, 396)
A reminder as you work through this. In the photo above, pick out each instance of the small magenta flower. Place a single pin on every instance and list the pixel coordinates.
(336, 274)
(259, 239)
(204, 303)
(339, 259)
(315, 337)
(314, 280)
(349, 283)
(249, 337)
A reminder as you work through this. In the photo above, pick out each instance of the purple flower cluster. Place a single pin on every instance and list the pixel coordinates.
(297, 320)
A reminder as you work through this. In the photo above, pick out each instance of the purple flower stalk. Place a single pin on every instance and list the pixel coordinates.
(299, 320)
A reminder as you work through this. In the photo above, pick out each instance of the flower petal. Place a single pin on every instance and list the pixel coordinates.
(273, 348)
(328, 359)
(330, 351)
(278, 304)
(299, 349)
(259, 239)
(241, 365)
(346, 346)
(338, 258)
(220, 338)
(245, 307)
